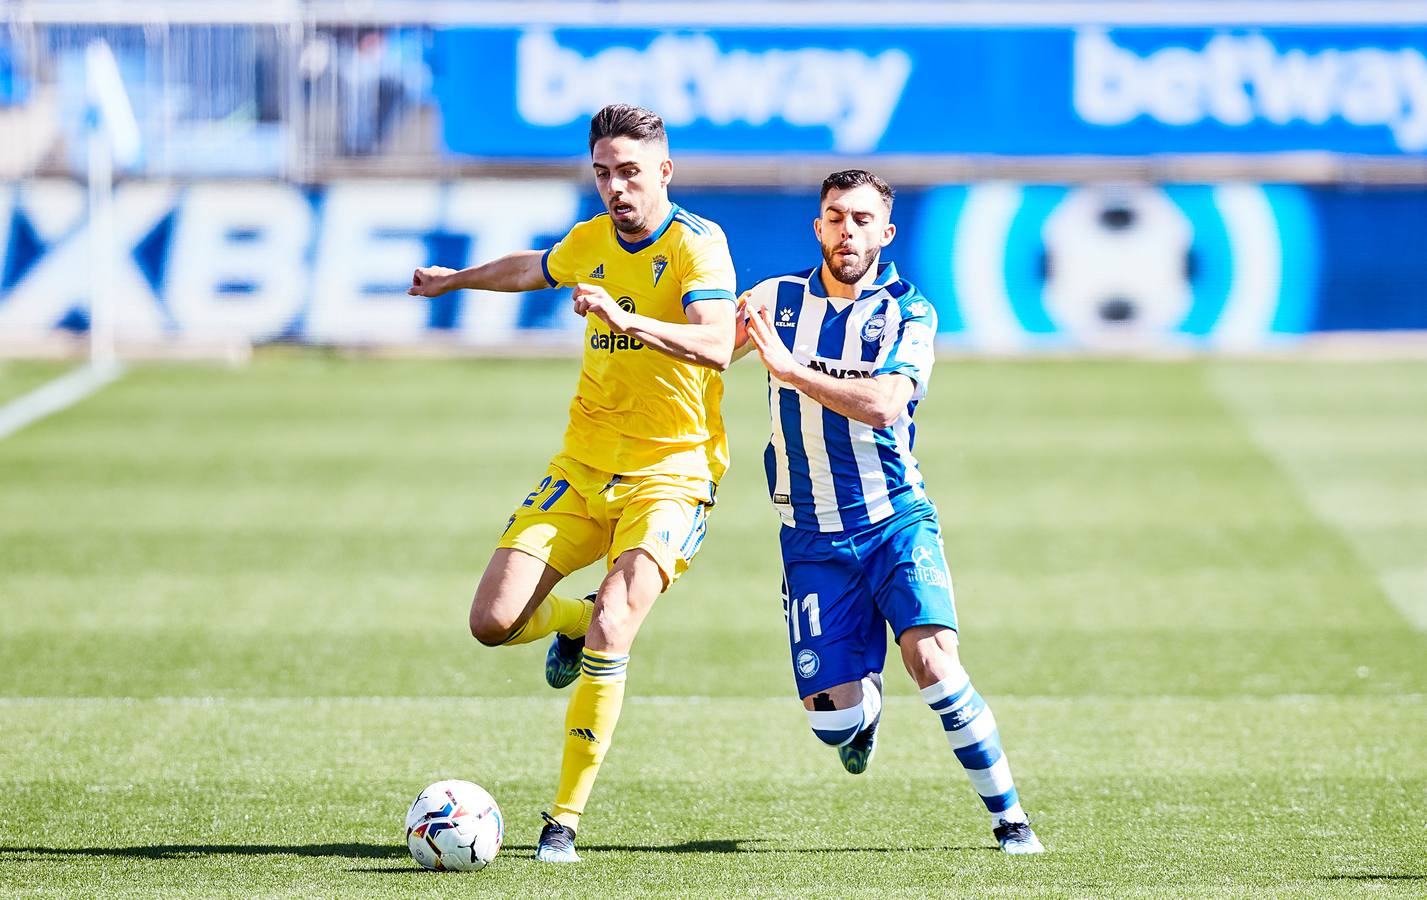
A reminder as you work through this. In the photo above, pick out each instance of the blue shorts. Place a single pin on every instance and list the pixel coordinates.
(839, 588)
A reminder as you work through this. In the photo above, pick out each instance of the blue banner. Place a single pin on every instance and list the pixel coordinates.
(1009, 267)
(1050, 91)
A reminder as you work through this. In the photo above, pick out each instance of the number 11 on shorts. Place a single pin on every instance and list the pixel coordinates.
(809, 605)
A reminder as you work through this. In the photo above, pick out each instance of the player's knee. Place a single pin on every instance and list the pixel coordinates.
(487, 627)
(613, 619)
(933, 666)
(640, 571)
(930, 653)
(922, 666)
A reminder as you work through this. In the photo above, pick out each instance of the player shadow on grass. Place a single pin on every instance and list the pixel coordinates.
(527, 851)
(396, 851)
(743, 845)
(177, 851)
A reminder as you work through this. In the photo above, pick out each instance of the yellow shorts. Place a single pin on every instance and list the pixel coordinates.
(576, 514)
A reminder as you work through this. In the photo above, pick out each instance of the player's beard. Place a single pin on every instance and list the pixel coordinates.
(629, 226)
(849, 272)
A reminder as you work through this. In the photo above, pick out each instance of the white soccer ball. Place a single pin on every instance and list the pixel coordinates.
(1118, 265)
(454, 826)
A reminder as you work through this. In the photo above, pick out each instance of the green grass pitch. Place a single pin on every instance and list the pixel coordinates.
(233, 641)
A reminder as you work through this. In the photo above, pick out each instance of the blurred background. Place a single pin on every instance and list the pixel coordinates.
(1144, 176)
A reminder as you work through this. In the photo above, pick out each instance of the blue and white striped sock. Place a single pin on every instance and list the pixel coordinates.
(971, 731)
(835, 727)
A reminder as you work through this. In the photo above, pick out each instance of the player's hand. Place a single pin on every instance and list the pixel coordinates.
(432, 281)
(776, 358)
(740, 320)
(594, 300)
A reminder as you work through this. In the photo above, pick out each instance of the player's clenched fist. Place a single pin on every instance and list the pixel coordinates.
(594, 300)
(432, 281)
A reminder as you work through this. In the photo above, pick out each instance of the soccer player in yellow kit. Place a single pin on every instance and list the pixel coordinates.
(645, 447)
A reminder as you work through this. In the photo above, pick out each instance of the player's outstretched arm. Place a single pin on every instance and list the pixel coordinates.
(514, 272)
(873, 401)
(707, 339)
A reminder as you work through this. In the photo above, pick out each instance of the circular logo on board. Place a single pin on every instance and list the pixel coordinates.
(807, 663)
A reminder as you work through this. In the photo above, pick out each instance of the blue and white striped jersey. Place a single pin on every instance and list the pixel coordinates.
(827, 472)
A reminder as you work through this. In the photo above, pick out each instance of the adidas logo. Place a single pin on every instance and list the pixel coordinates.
(598, 272)
(584, 734)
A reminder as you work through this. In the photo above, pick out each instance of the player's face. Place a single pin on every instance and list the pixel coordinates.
(853, 228)
(633, 180)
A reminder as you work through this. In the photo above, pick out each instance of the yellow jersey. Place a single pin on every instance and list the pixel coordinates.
(637, 411)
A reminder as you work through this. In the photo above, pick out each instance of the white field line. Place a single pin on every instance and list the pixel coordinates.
(1404, 587)
(691, 700)
(54, 396)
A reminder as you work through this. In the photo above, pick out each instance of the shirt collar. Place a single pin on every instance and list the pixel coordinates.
(886, 275)
(636, 246)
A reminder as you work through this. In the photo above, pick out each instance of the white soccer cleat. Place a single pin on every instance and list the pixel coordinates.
(1017, 839)
(557, 842)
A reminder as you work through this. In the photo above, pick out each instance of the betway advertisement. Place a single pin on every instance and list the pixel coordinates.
(530, 92)
(1009, 267)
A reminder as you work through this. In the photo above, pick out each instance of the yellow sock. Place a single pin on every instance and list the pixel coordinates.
(568, 615)
(589, 725)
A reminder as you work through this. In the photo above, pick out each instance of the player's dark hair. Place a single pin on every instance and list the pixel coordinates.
(848, 179)
(623, 120)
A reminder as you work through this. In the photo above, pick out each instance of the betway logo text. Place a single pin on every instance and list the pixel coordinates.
(837, 371)
(688, 78)
(1238, 79)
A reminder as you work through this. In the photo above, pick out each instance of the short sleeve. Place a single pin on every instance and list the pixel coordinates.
(912, 351)
(709, 272)
(557, 264)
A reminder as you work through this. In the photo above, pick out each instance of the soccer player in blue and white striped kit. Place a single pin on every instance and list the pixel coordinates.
(849, 349)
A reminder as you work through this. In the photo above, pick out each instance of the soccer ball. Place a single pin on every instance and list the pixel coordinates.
(454, 826)
(1118, 265)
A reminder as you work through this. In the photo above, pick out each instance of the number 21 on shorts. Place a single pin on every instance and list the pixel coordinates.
(559, 487)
